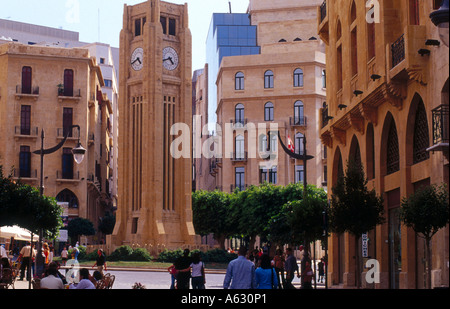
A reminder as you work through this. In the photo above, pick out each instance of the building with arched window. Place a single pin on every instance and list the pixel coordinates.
(282, 86)
(387, 106)
(34, 100)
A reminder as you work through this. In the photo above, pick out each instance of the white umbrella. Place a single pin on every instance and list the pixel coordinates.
(17, 232)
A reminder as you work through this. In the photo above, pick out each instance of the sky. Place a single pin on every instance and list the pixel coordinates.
(101, 20)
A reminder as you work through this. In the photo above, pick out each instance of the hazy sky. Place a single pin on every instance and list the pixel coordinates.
(101, 20)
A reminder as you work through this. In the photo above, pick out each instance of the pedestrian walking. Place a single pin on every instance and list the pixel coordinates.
(183, 267)
(291, 267)
(321, 267)
(101, 261)
(26, 257)
(173, 275)
(265, 275)
(240, 272)
(278, 262)
(198, 273)
(64, 256)
(307, 276)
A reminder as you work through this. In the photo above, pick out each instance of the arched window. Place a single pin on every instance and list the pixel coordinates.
(239, 81)
(355, 151)
(392, 156)
(324, 79)
(298, 78)
(69, 197)
(354, 41)
(299, 117)
(239, 114)
(26, 80)
(421, 135)
(263, 143)
(268, 111)
(370, 152)
(268, 79)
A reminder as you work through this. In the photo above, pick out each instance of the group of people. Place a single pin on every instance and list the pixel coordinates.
(247, 271)
(261, 272)
(187, 269)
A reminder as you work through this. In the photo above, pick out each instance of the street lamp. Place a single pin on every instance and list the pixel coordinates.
(441, 19)
(78, 155)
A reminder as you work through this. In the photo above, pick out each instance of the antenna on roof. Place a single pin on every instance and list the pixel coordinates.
(229, 4)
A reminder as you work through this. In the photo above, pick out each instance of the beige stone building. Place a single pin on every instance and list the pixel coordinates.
(281, 88)
(387, 106)
(50, 89)
(154, 206)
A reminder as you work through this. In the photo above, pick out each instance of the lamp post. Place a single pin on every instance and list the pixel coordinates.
(441, 20)
(78, 155)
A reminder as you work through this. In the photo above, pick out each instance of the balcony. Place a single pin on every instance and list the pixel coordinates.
(62, 132)
(440, 128)
(239, 157)
(298, 121)
(408, 56)
(68, 94)
(241, 187)
(27, 92)
(67, 177)
(323, 28)
(21, 132)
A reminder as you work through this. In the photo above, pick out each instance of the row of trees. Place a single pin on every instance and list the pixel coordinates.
(289, 215)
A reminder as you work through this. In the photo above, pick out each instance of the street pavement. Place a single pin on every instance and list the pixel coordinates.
(156, 279)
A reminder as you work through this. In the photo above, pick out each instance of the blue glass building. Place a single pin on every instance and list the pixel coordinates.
(229, 35)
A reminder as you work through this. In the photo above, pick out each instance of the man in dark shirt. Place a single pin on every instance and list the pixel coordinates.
(101, 261)
(183, 266)
(290, 266)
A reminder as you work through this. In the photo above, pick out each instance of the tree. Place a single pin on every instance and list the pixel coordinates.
(78, 227)
(22, 205)
(211, 212)
(306, 218)
(355, 209)
(426, 211)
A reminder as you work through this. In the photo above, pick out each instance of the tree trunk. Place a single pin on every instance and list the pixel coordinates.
(428, 248)
(357, 268)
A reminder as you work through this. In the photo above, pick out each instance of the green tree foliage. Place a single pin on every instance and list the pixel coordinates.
(426, 211)
(78, 227)
(354, 208)
(22, 205)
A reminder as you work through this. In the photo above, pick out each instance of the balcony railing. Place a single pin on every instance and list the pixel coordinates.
(26, 131)
(298, 121)
(398, 51)
(323, 11)
(441, 124)
(27, 90)
(241, 187)
(240, 156)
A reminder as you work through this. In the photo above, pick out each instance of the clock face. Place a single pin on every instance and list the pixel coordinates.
(170, 58)
(137, 59)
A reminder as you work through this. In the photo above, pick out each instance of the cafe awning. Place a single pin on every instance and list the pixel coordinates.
(17, 232)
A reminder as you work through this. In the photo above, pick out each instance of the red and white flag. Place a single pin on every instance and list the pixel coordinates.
(291, 146)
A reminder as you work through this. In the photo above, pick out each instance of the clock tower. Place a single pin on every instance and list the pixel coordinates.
(154, 205)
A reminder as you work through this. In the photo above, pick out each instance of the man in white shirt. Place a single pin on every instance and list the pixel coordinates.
(52, 281)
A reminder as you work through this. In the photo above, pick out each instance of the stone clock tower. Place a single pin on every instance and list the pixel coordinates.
(154, 206)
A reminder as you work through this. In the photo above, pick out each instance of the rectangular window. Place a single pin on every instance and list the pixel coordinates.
(299, 174)
(67, 121)
(67, 164)
(414, 12)
(68, 83)
(25, 162)
(137, 27)
(339, 67)
(25, 120)
(172, 26)
(354, 51)
(371, 40)
(269, 176)
(163, 24)
(240, 178)
(26, 80)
